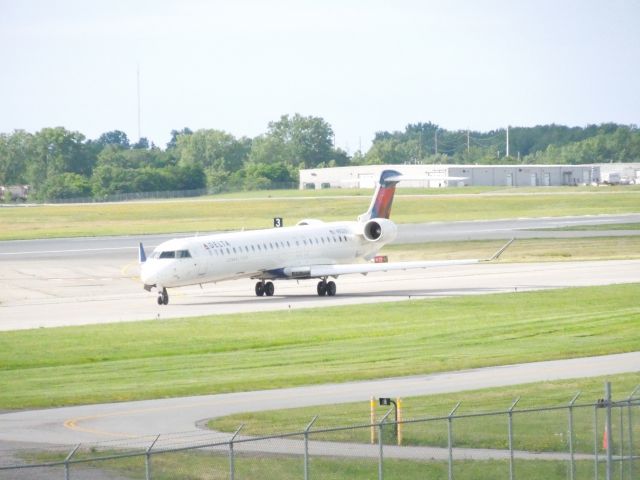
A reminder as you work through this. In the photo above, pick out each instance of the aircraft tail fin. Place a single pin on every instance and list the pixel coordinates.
(382, 197)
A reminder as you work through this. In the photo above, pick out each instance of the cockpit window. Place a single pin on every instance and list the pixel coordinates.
(175, 254)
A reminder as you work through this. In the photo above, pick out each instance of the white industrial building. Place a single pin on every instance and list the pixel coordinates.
(473, 175)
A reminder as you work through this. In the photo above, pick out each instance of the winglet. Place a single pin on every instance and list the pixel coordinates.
(501, 251)
(142, 257)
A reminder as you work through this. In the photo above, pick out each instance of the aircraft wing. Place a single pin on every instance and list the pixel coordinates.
(364, 268)
(334, 270)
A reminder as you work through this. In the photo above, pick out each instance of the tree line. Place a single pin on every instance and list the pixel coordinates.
(542, 144)
(59, 164)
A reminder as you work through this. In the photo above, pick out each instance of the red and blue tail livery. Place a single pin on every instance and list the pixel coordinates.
(383, 197)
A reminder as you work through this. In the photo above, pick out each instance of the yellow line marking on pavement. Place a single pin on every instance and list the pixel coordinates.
(72, 423)
(124, 271)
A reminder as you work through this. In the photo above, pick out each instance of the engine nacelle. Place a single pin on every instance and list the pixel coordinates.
(380, 230)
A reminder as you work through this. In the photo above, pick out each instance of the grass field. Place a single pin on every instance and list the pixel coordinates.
(204, 465)
(154, 359)
(537, 431)
(540, 431)
(214, 213)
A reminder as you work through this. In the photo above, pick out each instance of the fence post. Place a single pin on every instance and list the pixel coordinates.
(232, 464)
(631, 450)
(621, 443)
(147, 459)
(380, 432)
(306, 447)
(66, 461)
(572, 464)
(399, 421)
(450, 439)
(510, 412)
(595, 439)
(607, 400)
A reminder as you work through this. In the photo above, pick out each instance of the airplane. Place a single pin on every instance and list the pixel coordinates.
(312, 249)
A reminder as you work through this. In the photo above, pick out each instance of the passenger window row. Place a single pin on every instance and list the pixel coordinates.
(264, 247)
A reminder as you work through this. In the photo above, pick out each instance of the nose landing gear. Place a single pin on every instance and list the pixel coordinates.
(163, 297)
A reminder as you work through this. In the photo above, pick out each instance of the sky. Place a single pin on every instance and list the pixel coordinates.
(363, 66)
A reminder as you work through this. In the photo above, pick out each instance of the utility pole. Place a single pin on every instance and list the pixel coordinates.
(607, 404)
(138, 88)
(507, 140)
(435, 136)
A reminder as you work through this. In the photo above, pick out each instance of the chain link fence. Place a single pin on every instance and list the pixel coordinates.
(571, 441)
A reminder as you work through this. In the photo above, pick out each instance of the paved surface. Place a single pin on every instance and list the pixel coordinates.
(47, 294)
(48, 283)
(514, 228)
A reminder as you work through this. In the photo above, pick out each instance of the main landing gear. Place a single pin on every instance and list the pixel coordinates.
(326, 288)
(265, 288)
(163, 297)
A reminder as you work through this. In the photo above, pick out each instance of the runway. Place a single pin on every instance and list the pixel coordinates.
(94, 291)
(79, 281)
(546, 227)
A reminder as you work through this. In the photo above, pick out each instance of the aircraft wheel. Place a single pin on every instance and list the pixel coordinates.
(322, 288)
(331, 288)
(160, 302)
(259, 289)
(269, 289)
(164, 297)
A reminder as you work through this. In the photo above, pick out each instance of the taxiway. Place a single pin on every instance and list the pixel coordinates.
(79, 281)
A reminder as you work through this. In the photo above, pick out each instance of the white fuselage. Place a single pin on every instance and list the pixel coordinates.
(257, 254)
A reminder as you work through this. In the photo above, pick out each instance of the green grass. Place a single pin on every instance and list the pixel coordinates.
(226, 353)
(213, 214)
(536, 431)
(197, 465)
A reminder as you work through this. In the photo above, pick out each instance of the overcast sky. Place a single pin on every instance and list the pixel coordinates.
(363, 66)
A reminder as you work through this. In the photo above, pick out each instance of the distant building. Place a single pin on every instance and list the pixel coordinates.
(613, 173)
(15, 192)
(435, 176)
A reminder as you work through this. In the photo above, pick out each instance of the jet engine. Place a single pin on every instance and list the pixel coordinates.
(380, 230)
